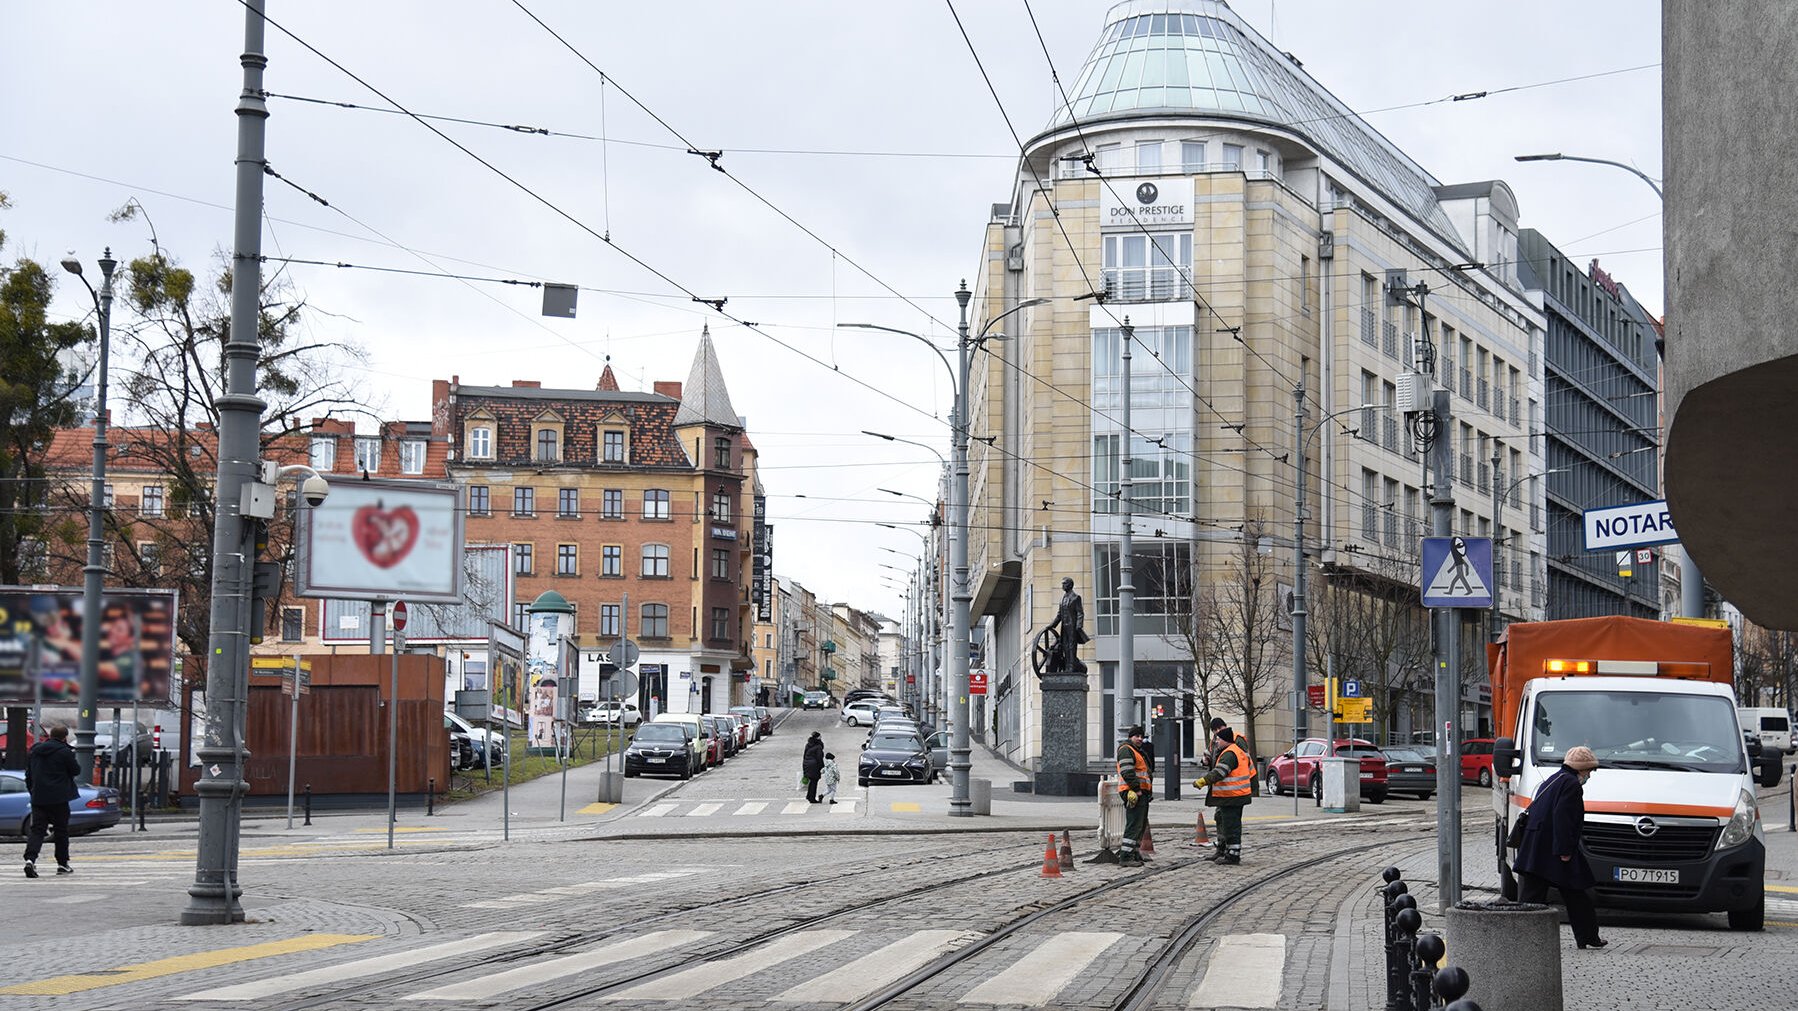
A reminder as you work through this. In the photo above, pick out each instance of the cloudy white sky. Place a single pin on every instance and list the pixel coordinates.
(867, 122)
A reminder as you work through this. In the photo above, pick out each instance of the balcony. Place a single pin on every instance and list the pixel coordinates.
(1367, 328)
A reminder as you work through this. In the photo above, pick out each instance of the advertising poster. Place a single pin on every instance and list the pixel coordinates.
(40, 645)
(543, 714)
(382, 540)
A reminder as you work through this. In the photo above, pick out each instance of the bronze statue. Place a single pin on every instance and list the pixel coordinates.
(1061, 653)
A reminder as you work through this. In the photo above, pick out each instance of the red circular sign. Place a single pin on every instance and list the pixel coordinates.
(399, 616)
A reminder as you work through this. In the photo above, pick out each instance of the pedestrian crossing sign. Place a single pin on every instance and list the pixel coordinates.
(1457, 572)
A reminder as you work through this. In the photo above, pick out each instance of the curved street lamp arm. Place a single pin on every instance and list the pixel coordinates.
(920, 338)
(1638, 173)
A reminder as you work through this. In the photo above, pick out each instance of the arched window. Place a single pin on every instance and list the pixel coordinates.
(655, 561)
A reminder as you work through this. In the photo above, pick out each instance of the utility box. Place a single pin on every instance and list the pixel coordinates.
(1415, 391)
(1342, 784)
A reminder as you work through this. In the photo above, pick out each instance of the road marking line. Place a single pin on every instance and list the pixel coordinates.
(1038, 976)
(483, 987)
(71, 900)
(400, 828)
(690, 983)
(844, 807)
(704, 810)
(364, 967)
(1244, 971)
(1782, 888)
(599, 808)
(907, 806)
(857, 979)
(658, 811)
(753, 807)
(78, 982)
(796, 807)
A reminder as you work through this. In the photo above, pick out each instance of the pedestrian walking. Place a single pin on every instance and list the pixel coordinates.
(1138, 787)
(830, 776)
(1549, 855)
(1230, 786)
(50, 773)
(811, 766)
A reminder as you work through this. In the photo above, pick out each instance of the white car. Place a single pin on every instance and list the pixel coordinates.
(860, 714)
(608, 713)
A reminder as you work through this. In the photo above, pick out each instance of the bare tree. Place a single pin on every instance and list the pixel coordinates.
(1238, 619)
(1366, 624)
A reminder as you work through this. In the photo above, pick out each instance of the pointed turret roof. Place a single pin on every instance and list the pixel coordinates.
(607, 381)
(704, 400)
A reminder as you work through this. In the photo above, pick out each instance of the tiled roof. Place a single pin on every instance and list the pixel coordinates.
(704, 399)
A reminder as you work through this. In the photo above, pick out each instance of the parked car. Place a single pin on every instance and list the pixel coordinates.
(740, 727)
(5, 740)
(661, 749)
(726, 732)
(815, 700)
(860, 714)
(705, 751)
(859, 694)
(610, 713)
(1476, 761)
(1300, 768)
(1411, 770)
(895, 758)
(766, 715)
(751, 718)
(96, 808)
(486, 748)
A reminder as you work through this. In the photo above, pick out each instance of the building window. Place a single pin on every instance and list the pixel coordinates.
(568, 502)
(611, 560)
(1305, 283)
(1264, 162)
(293, 624)
(34, 556)
(106, 495)
(412, 456)
(655, 504)
(611, 504)
(1192, 156)
(720, 563)
(524, 501)
(721, 452)
(149, 503)
(368, 453)
(1152, 267)
(1148, 156)
(549, 446)
(324, 453)
(521, 559)
(608, 620)
(612, 446)
(721, 508)
(655, 561)
(567, 560)
(149, 557)
(654, 621)
(720, 624)
(480, 443)
(1163, 580)
(479, 504)
(1160, 469)
(1233, 157)
(521, 616)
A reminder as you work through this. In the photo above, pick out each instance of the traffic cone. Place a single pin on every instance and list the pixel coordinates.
(1202, 837)
(1067, 851)
(1051, 860)
(1148, 841)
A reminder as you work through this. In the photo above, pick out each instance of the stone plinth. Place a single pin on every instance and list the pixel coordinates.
(1064, 772)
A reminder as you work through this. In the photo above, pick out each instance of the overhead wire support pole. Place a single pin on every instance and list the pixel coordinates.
(213, 897)
(1124, 700)
(1448, 678)
(1301, 701)
(960, 803)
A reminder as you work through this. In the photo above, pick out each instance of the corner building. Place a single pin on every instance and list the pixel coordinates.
(1255, 232)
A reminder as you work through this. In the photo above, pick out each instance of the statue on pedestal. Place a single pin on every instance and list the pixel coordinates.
(1058, 644)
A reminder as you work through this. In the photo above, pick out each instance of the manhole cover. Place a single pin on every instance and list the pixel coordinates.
(1679, 950)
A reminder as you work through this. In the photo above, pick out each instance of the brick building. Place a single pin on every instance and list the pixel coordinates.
(607, 495)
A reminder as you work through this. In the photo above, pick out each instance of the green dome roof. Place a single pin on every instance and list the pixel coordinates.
(551, 602)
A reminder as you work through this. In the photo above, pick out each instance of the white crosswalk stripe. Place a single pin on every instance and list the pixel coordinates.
(857, 979)
(1039, 975)
(361, 968)
(537, 973)
(660, 810)
(704, 810)
(796, 807)
(753, 807)
(846, 804)
(546, 895)
(690, 983)
(1244, 971)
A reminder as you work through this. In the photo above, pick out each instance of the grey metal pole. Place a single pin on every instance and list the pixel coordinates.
(505, 780)
(1498, 537)
(213, 897)
(137, 764)
(1448, 678)
(393, 733)
(1301, 723)
(1124, 696)
(293, 738)
(93, 573)
(960, 804)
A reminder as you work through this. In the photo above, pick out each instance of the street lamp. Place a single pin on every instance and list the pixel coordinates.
(1498, 522)
(93, 573)
(907, 494)
(1557, 156)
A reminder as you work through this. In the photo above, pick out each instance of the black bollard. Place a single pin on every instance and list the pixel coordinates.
(1463, 1005)
(1406, 924)
(431, 799)
(1428, 949)
(308, 803)
(1452, 983)
(1394, 891)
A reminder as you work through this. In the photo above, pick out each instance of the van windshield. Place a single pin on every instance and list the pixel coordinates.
(1638, 730)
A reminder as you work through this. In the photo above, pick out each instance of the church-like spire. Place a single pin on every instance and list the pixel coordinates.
(608, 383)
(704, 399)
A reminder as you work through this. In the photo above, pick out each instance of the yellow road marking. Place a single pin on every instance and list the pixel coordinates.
(401, 828)
(600, 808)
(58, 985)
(1782, 888)
(1781, 923)
(907, 806)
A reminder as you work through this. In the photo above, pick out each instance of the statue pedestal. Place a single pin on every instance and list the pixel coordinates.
(1064, 772)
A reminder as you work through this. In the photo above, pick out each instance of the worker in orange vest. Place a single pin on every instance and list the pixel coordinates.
(1138, 788)
(1231, 787)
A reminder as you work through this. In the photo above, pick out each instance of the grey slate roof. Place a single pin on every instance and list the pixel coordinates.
(704, 400)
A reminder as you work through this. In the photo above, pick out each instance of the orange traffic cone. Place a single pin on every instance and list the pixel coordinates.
(1202, 837)
(1051, 860)
(1067, 851)
(1148, 841)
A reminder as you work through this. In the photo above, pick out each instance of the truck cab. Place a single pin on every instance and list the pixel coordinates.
(1671, 823)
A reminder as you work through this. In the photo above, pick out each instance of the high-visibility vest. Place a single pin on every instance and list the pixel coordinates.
(1238, 782)
(1130, 753)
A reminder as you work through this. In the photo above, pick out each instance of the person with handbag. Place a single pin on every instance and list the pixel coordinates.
(1548, 854)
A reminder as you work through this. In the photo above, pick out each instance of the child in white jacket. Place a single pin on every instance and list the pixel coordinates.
(829, 778)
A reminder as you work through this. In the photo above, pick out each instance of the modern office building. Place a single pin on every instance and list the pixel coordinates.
(1202, 192)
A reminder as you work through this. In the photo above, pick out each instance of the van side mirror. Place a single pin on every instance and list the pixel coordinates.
(1506, 760)
(1754, 746)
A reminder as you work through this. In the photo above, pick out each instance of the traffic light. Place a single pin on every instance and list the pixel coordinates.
(265, 581)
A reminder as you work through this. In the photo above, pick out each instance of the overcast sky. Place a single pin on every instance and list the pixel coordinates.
(874, 130)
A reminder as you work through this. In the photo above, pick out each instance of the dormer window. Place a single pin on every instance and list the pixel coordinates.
(478, 434)
(324, 453)
(368, 453)
(546, 438)
(612, 444)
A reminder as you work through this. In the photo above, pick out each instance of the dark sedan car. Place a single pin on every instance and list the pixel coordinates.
(766, 715)
(659, 749)
(895, 758)
(95, 809)
(1411, 770)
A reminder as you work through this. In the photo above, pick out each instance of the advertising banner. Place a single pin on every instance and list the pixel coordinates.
(382, 540)
(40, 645)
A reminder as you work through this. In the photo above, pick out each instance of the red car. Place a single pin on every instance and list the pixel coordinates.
(1476, 761)
(1300, 767)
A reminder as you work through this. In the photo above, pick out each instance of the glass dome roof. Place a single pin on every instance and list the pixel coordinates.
(1198, 57)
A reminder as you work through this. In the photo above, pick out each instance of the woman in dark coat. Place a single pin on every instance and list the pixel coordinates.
(812, 765)
(1549, 855)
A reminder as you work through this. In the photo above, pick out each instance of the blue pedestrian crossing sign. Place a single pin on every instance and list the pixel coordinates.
(1457, 572)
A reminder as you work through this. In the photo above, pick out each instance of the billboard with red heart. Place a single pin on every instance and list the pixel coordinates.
(382, 540)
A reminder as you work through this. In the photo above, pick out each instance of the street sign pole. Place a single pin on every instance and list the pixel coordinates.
(393, 716)
(293, 739)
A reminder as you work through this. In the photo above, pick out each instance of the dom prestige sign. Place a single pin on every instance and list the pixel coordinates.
(382, 540)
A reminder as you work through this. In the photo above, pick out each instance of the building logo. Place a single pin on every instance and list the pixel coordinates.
(1147, 193)
(1164, 201)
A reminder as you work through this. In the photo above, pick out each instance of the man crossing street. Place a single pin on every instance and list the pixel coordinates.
(1135, 782)
(1231, 786)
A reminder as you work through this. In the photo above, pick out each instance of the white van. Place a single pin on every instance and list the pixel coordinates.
(1773, 727)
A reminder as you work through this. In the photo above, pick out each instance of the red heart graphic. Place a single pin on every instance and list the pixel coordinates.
(385, 536)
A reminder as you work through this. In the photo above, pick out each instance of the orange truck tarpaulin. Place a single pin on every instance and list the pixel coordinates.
(1518, 656)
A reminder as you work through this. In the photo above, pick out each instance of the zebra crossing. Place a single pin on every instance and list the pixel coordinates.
(544, 896)
(837, 966)
(847, 804)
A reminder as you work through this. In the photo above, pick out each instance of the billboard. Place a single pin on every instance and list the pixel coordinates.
(487, 591)
(382, 540)
(40, 645)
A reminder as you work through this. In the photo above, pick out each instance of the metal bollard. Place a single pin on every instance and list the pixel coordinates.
(1406, 923)
(308, 803)
(1792, 793)
(431, 799)
(1428, 949)
(1451, 984)
(1393, 890)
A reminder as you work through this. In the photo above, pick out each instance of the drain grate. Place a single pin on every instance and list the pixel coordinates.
(1679, 950)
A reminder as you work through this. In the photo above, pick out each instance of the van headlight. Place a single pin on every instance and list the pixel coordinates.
(1741, 823)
